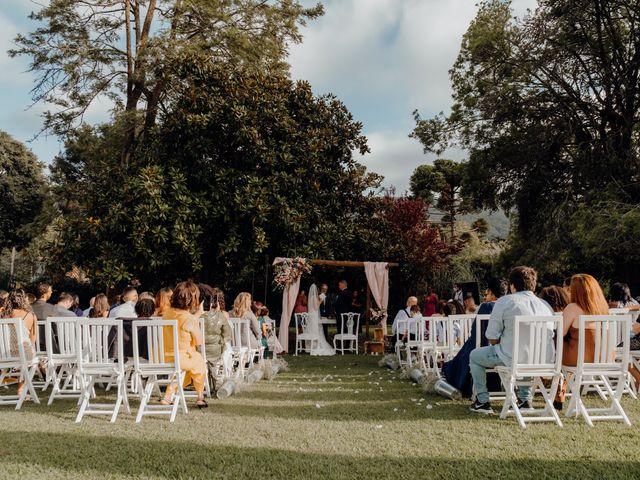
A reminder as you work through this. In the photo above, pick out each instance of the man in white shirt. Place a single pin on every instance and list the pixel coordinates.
(128, 307)
(500, 332)
(404, 315)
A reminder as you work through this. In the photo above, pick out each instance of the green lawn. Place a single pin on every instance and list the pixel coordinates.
(337, 417)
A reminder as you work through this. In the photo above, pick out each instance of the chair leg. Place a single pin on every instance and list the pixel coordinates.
(144, 399)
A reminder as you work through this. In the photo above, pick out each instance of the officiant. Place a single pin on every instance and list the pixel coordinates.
(343, 303)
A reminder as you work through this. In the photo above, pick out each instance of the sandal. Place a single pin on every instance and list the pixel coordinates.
(202, 403)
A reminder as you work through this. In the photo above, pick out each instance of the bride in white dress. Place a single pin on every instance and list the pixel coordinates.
(323, 348)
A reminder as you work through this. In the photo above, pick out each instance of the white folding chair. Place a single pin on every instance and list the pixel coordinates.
(14, 359)
(402, 327)
(349, 333)
(62, 366)
(240, 344)
(94, 337)
(41, 353)
(440, 332)
(203, 352)
(161, 367)
(460, 331)
(534, 359)
(304, 335)
(607, 368)
(480, 320)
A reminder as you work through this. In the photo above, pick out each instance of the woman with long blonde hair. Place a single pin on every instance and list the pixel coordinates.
(242, 309)
(586, 299)
(163, 301)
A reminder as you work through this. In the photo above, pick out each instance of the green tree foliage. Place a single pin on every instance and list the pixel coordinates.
(126, 50)
(23, 191)
(442, 183)
(243, 165)
(547, 106)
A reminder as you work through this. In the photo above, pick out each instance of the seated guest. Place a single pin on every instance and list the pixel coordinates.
(566, 286)
(62, 308)
(217, 331)
(16, 305)
(268, 333)
(127, 309)
(456, 371)
(500, 332)
(100, 307)
(620, 297)
(586, 299)
(185, 301)
(145, 308)
(31, 298)
(470, 306)
(242, 309)
(163, 301)
(403, 314)
(41, 308)
(301, 303)
(556, 297)
(85, 313)
(75, 308)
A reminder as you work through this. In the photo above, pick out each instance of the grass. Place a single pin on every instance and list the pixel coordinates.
(335, 417)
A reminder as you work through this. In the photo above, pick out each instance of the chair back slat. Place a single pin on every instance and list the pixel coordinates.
(608, 331)
(350, 322)
(480, 320)
(532, 345)
(157, 356)
(240, 335)
(94, 339)
(11, 338)
(65, 330)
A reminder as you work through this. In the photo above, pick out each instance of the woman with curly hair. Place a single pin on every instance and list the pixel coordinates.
(16, 305)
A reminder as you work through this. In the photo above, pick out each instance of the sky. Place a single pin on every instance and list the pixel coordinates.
(382, 58)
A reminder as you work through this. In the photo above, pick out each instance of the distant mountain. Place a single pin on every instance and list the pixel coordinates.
(499, 224)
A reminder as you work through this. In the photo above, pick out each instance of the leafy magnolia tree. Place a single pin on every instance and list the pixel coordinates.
(243, 165)
(547, 106)
(442, 183)
(126, 51)
(23, 191)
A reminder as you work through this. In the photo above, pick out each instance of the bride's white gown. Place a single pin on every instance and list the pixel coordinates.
(323, 348)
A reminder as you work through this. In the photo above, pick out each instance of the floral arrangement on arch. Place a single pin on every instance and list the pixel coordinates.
(288, 271)
(378, 314)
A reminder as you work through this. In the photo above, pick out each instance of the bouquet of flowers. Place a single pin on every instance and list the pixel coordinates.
(378, 314)
(288, 271)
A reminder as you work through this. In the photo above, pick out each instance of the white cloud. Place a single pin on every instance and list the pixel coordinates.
(385, 58)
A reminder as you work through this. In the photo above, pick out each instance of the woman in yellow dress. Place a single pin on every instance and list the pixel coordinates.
(185, 305)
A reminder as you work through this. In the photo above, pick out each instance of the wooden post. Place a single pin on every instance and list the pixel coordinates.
(367, 313)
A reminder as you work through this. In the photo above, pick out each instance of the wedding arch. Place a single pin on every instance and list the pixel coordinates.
(376, 273)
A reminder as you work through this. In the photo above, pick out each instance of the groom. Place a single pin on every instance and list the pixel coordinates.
(343, 304)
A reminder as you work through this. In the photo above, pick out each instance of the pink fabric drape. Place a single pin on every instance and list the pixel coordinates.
(378, 278)
(289, 296)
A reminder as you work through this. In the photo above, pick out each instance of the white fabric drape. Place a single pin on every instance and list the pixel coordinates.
(289, 295)
(378, 278)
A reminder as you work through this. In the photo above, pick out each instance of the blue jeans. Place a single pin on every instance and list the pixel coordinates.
(481, 359)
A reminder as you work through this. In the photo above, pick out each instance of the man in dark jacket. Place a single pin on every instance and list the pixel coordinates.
(43, 309)
(343, 303)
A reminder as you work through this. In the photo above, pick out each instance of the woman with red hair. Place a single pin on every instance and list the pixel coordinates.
(586, 299)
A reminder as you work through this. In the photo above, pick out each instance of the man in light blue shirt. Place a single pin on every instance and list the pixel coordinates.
(500, 332)
(128, 307)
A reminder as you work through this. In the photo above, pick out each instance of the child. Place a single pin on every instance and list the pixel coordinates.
(269, 339)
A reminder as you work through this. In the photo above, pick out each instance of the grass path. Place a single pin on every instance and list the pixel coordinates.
(336, 417)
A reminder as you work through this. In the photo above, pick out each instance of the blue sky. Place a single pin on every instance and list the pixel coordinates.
(382, 58)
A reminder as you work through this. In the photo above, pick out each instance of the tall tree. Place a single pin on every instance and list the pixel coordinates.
(23, 190)
(243, 165)
(442, 183)
(125, 50)
(548, 106)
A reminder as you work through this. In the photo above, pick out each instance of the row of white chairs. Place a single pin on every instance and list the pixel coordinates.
(83, 355)
(607, 375)
(307, 338)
